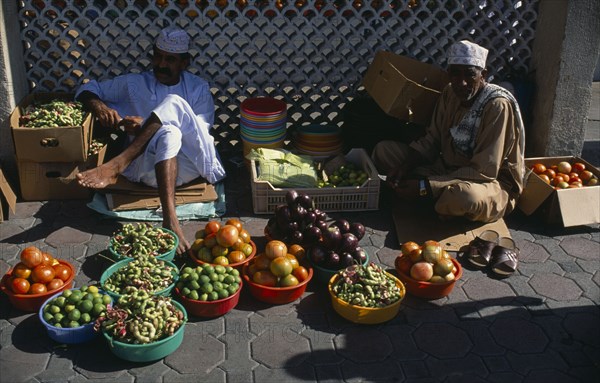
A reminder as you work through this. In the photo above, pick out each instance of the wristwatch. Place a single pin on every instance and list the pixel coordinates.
(422, 188)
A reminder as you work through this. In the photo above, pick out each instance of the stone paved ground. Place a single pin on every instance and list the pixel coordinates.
(540, 325)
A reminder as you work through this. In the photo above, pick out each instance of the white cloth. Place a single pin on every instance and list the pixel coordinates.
(186, 111)
(467, 53)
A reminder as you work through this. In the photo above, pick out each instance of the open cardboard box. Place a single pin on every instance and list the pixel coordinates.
(569, 207)
(127, 195)
(42, 181)
(8, 198)
(403, 87)
(48, 144)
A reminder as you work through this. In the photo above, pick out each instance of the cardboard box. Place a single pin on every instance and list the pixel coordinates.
(42, 181)
(403, 87)
(62, 144)
(569, 207)
(8, 198)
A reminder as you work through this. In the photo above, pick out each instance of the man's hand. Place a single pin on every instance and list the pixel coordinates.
(131, 124)
(406, 189)
(106, 116)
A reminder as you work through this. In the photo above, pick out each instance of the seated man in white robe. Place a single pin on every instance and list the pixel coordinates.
(167, 113)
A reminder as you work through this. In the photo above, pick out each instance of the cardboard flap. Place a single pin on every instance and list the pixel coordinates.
(579, 206)
(124, 186)
(419, 225)
(535, 193)
(120, 201)
(8, 195)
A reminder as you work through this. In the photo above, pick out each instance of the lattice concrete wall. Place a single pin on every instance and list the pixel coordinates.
(312, 54)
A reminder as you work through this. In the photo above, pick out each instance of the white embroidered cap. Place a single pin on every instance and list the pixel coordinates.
(467, 53)
(173, 40)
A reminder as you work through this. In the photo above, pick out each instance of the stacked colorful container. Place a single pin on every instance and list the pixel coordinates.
(319, 141)
(263, 123)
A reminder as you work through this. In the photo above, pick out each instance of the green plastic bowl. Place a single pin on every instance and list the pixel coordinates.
(113, 269)
(168, 256)
(323, 275)
(149, 352)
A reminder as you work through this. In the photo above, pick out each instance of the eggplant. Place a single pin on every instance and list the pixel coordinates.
(296, 237)
(332, 260)
(358, 229)
(298, 212)
(349, 242)
(332, 237)
(310, 217)
(305, 201)
(346, 259)
(283, 215)
(290, 197)
(343, 224)
(360, 255)
(312, 235)
(317, 255)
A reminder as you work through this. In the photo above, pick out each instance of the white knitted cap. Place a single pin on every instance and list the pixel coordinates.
(173, 40)
(467, 53)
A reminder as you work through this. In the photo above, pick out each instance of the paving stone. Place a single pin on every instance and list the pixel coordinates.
(123, 378)
(289, 374)
(581, 248)
(363, 345)
(197, 357)
(12, 233)
(24, 365)
(152, 373)
(549, 375)
(483, 342)
(502, 377)
(94, 360)
(328, 373)
(215, 376)
(415, 370)
(57, 370)
(283, 347)
(519, 335)
(237, 337)
(322, 348)
(496, 364)
(463, 367)
(483, 288)
(386, 371)
(67, 235)
(584, 281)
(442, 340)
(405, 348)
(555, 287)
(583, 326)
(387, 256)
(532, 252)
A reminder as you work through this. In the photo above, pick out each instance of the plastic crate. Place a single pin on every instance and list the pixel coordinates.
(266, 197)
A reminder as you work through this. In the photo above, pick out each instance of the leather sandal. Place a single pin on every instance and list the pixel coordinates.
(505, 257)
(479, 252)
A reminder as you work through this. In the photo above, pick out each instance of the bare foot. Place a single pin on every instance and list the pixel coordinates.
(98, 178)
(184, 245)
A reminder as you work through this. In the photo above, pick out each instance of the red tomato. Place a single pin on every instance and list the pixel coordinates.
(281, 266)
(21, 271)
(210, 240)
(564, 176)
(227, 236)
(409, 246)
(235, 222)
(55, 284)
(575, 179)
(31, 256)
(403, 264)
(245, 235)
(551, 173)
(275, 249)
(265, 278)
(300, 273)
(212, 227)
(261, 262)
(545, 178)
(578, 167)
(42, 274)
(38, 288)
(62, 272)
(538, 168)
(19, 285)
(298, 252)
(586, 175)
(47, 259)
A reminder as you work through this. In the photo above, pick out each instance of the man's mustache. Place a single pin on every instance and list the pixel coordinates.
(165, 71)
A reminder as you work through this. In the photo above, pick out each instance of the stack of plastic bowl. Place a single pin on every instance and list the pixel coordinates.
(262, 123)
(319, 141)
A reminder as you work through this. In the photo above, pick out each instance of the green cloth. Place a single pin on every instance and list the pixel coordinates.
(284, 169)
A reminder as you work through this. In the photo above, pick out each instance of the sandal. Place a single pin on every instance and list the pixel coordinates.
(505, 257)
(480, 249)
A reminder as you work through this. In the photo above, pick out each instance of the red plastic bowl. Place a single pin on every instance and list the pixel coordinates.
(276, 295)
(209, 309)
(237, 265)
(33, 302)
(428, 290)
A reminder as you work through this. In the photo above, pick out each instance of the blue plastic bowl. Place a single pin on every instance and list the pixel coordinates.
(149, 352)
(73, 335)
(112, 269)
(168, 256)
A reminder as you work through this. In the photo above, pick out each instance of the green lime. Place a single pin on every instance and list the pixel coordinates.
(233, 288)
(93, 289)
(219, 269)
(185, 291)
(83, 289)
(180, 284)
(217, 285)
(208, 269)
(206, 288)
(97, 300)
(187, 270)
(204, 279)
(48, 317)
(88, 297)
(67, 293)
(223, 293)
(229, 279)
(74, 324)
(58, 317)
(69, 307)
(57, 325)
(214, 277)
(106, 299)
(193, 295)
(213, 296)
(74, 315)
(60, 301)
(203, 297)
(193, 285)
(85, 306)
(85, 318)
(98, 309)
(194, 276)
(53, 309)
(75, 297)
(222, 277)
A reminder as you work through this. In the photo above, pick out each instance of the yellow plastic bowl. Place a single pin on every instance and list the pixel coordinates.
(366, 315)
